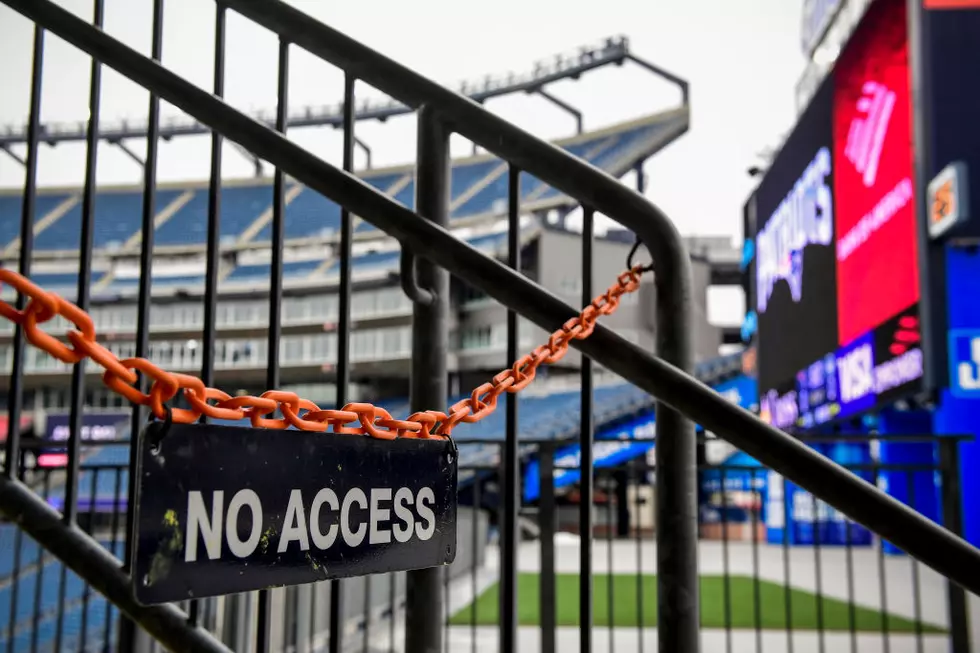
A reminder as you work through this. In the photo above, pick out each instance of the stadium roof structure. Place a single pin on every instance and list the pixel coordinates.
(562, 66)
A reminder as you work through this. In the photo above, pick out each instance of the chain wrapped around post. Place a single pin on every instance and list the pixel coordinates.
(354, 419)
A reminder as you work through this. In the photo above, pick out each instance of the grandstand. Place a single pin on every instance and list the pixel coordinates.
(380, 311)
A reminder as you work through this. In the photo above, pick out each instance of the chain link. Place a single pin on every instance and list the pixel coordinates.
(121, 376)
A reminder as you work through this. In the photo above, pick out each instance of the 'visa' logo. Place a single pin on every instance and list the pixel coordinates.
(856, 372)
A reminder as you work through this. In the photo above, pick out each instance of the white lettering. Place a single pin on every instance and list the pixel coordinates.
(198, 521)
(238, 547)
(805, 216)
(887, 207)
(378, 515)
(352, 538)
(425, 514)
(321, 541)
(900, 370)
(856, 372)
(294, 526)
(404, 533)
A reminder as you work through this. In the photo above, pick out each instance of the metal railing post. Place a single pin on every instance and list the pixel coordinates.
(949, 470)
(429, 383)
(547, 520)
(678, 602)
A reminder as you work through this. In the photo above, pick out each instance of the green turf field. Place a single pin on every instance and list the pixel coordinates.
(741, 605)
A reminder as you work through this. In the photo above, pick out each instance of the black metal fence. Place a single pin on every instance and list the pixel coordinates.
(836, 588)
(430, 254)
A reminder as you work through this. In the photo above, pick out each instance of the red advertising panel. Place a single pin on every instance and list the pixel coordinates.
(875, 230)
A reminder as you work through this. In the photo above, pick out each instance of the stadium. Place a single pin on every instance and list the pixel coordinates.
(322, 285)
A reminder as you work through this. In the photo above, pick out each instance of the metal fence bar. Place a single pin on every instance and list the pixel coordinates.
(41, 562)
(726, 563)
(548, 524)
(263, 635)
(914, 568)
(510, 465)
(86, 245)
(213, 251)
(587, 464)
(15, 396)
(128, 632)
(428, 385)
(636, 475)
(787, 564)
(343, 331)
(952, 511)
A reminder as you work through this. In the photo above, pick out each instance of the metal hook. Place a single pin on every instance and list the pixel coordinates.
(159, 430)
(410, 282)
(629, 257)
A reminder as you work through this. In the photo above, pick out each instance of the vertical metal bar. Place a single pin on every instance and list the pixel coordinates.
(509, 461)
(882, 580)
(15, 585)
(445, 607)
(84, 279)
(366, 640)
(60, 616)
(726, 561)
(849, 570)
(393, 610)
(610, 578)
(213, 232)
(428, 385)
(818, 574)
(128, 631)
(787, 566)
(914, 564)
(41, 563)
(343, 331)
(15, 396)
(678, 585)
(87, 592)
(756, 581)
(264, 622)
(473, 568)
(585, 442)
(949, 470)
(636, 477)
(548, 524)
(113, 541)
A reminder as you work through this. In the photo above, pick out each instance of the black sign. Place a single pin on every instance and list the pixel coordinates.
(794, 270)
(224, 509)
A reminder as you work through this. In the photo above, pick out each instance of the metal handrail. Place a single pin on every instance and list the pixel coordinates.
(859, 500)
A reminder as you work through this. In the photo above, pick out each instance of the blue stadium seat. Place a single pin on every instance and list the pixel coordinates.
(118, 215)
(11, 206)
(368, 261)
(260, 272)
(240, 206)
(406, 196)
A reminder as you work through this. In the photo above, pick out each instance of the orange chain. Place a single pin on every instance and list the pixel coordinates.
(120, 375)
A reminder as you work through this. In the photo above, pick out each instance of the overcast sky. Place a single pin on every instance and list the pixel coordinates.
(741, 58)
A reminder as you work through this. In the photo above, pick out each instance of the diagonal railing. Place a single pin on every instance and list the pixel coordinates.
(667, 377)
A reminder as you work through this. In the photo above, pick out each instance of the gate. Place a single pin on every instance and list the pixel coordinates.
(429, 255)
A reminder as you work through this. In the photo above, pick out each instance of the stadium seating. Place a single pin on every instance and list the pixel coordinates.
(478, 187)
(240, 207)
(43, 583)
